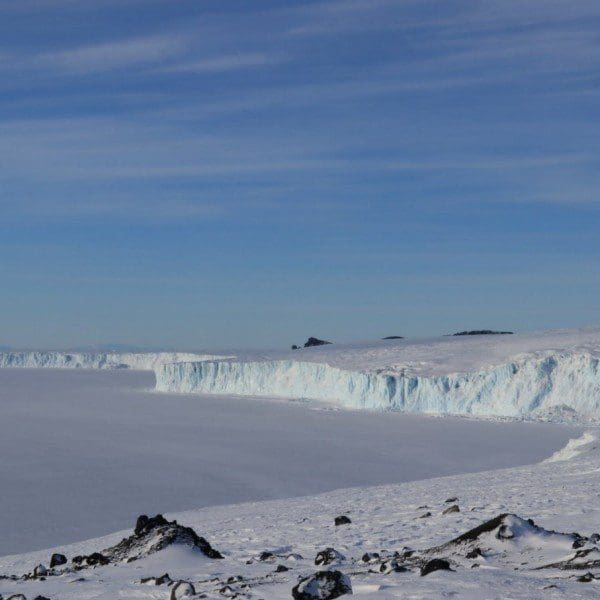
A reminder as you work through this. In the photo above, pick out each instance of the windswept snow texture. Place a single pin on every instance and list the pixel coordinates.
(82, 453)
(552, 374)
(494, 550)
(144, 361)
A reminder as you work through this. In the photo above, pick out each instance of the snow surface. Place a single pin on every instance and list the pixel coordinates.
(550, 375)
(560, 496)
(82, 453)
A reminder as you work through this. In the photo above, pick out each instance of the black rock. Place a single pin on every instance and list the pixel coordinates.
(323, 585)
(586, 578)
(154, 534)
(425, 515)
(281, 569)
(328, 556)
(370, 556)
(450, 500)
(393, 565)
(435, 564)
(157, 580)
(57, 560)
(451, 509)
(474, 553)
(294, 347)
(41, 598)
(266, 556)
(182, 589)
(483, 332)
(312, 341)
(393, 337)
(342, 520)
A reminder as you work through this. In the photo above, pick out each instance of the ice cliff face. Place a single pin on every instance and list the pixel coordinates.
(145, 361)
(530, 385)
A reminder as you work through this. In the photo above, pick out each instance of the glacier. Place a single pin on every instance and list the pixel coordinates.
(552, 385)
(143, 361)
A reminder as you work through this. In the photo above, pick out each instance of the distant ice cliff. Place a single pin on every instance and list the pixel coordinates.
(145, 361)
(530, 385)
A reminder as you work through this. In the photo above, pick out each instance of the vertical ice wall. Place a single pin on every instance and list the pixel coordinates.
(531, 385)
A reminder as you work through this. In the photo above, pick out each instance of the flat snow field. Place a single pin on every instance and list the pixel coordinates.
(82, 453)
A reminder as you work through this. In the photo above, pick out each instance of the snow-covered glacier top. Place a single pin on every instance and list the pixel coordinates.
(429, 357)
(553, 374)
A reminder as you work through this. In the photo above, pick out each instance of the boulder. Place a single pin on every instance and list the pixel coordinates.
(56, 560)
(182, 589)
(40, 571)
(342, 520)
(329, 556)
(323, 585)
(435, 564)
(451, 509)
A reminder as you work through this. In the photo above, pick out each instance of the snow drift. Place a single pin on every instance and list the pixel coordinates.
(550, 385)
(144, 361)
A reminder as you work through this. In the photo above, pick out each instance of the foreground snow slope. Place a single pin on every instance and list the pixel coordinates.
(549, 374)
(561, 496)
(144, 361)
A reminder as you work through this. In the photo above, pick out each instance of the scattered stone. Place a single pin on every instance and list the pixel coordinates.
(294, 347)
(370, 557)
(342, 520)
(435, 564)
(157, 580)
(425, 515)
(182, 589)
(392, 566)
(57, 560)
(281, 569)
(94, 559)
(329, 556)
(450, 500)
(451, 509)
(586, 578)
(266, 556)
(40, 571)
(323, 585)
(393, 337)
(313, 341)
(41, 598)
(17, 597)
(475, 553)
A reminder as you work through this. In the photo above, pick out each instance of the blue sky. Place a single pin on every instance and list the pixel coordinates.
(234, 174)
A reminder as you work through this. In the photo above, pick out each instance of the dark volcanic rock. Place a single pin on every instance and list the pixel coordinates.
(328, 557)
(451, 509)
(342, 520)
(154, 534)
(312, 341)
(182, 589)
(56, 560)
(323, 585)
(483, 332)
(393, 337)
(435, 564)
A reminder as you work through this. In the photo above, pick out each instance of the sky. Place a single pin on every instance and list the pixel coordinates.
(223, 173)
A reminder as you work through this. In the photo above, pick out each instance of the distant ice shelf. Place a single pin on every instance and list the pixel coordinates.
(144, 361)
(557, 386)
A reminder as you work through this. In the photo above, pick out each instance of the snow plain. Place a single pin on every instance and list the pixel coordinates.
(83, 452)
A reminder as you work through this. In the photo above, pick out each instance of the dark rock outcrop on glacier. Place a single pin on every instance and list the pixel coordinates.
(57, 560)
(483, 332)
(323, 585)
(313, 341)
(342, 520)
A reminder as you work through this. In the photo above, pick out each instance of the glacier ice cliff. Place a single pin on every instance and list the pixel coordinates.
(551, 383)
(145, 361)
